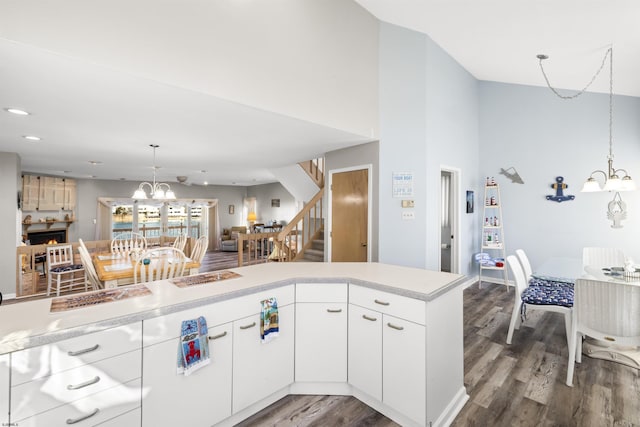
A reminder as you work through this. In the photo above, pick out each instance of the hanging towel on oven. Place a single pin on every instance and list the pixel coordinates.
(269, 320)
(193, 349)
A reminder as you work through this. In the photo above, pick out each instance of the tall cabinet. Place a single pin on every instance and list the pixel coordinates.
(493, 245)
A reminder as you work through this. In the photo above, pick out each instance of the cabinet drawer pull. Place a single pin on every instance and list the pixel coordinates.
(248, 326)
(391, 325)
(215, 337)
(84, 384)
(377, 301)
(373, 319)
(82, 418)
(334, 310)
(83, 351)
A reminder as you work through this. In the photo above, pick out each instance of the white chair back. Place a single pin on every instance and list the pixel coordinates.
(164, 263)
(518, 275)
(123, 243)
(596, 258)
(180, 242)
(92, 275)
(526, 265)
(604, 310)
(200, 249)
(59, 255)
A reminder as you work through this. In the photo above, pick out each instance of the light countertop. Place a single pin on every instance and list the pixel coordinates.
(29, 324)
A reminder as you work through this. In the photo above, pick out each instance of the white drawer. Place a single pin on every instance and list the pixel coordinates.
(28, 365)
(167, 327)
(46, 393)
(321, 292)
(118, 406)
(396, 305)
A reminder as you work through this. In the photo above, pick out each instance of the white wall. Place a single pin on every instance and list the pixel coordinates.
(11, 184)
(428, 118)
(308, 59)
(543, 136)
(266, 213)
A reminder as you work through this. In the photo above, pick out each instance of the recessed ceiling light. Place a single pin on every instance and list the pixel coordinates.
(17, 111)
(206, 183)
(32, 137)
(95, 162)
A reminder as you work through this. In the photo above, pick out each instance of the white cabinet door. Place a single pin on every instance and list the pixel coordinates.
(261, 369)
(404, 367)
(321, 342)
(201, 399)
(4, 389)
(365, 350)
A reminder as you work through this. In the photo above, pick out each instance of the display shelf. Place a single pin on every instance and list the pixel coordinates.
(492, 233)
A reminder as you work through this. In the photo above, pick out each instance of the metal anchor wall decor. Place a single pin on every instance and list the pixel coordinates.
(559, 186)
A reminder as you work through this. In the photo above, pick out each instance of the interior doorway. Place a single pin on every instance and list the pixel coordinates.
(350, 215)
(449, 219)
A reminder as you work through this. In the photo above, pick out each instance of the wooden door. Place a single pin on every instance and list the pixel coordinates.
(349, 216)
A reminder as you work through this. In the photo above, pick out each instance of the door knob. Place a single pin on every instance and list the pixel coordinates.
(364, 245)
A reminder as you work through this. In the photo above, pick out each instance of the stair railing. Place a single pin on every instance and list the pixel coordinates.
(298, 235)
(315, 169)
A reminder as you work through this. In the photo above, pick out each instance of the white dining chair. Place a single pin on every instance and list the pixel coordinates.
(180, 242)
(557, 299)
(92, 275)
(62, 272)
(597, 258)
(526, 265)
(163, 263)
(200, 249)
(604, 310)
(123, 243)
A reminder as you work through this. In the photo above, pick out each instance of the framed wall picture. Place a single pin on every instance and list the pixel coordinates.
(232, 209)
(275, 203)
(469, 201)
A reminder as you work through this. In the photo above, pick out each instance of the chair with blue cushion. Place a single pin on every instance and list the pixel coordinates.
(557, 299)
(62, 272)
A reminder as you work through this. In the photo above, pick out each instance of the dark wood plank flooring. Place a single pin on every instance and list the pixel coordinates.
(519, 384)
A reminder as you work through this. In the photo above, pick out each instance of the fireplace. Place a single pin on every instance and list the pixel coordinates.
(47, 237)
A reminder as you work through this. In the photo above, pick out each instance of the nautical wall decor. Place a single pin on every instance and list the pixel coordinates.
(617, 211)
(513, 176)
(559, 186)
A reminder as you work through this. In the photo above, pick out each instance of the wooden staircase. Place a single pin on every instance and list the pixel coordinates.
(300, 240)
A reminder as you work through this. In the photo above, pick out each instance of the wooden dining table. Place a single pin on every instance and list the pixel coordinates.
(117, 269)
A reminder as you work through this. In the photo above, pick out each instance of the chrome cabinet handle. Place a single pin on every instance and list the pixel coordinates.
(83, 351)
(373, 319)
(336, 310)
(391, 325)
(215, 337)
(377, 301)
(83, 417)
(248, 326)
(84, 384)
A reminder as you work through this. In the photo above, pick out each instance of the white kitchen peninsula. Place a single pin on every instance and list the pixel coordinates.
(392, 337)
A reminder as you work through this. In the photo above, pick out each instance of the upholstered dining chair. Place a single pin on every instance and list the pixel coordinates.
(605, 310)
(92, 275)
(124, 242)
(62, 272)
(557, 299)
(200, 249)
(163, 263)
(180, 242)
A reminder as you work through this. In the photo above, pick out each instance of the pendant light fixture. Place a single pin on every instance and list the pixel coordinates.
(612, 179)
(158, 190)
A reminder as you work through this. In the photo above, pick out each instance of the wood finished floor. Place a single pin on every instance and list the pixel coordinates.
(522, 384)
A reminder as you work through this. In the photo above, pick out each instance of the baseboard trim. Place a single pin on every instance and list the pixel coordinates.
(453, 409)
